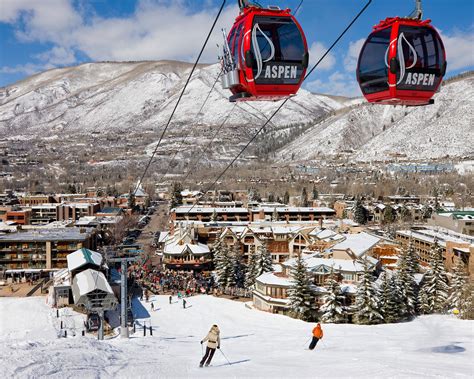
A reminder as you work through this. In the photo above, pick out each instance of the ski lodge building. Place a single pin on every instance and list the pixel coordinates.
(343, 259)
(43, 248)
(455, 246)
(182, 251)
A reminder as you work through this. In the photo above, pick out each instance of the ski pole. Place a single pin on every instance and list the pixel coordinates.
(225, 357)
(202, 351)
(309, 339)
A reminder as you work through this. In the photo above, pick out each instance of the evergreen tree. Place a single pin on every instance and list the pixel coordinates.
(131, 200)
(251, 273)
(426, 211)
(255, 196)
(360, 213)
(467, 302)
(176, 197)
(147, 202)
(315, 192)
(302, 299)
(271, 198)
(457, 285)
(367, 300)
(264, 262)
(238, 268)
(435, 283)
(405, 214)
(223, 265)
(286, 198)
(388, 215)
(275, 215)
(406, 282)
(108, 190)
(391, 303)
(304, 198)
(412, 258)
(333, 307)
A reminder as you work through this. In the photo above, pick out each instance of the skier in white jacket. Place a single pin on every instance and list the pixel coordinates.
(213, 341)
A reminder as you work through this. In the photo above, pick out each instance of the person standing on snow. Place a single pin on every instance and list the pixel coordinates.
(317, 335)
(171, 299)
(213, 341)
(152, 306)
(184, 304)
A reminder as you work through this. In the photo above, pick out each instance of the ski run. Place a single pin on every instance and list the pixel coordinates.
(256, 343)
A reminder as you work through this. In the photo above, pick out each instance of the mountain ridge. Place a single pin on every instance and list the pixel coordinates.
(138, 97)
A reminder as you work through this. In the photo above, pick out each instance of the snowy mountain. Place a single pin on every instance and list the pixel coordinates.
(136, 98)
(369, 132)
(139, 97)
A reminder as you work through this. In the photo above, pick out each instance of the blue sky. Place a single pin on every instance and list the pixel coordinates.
(41, 34)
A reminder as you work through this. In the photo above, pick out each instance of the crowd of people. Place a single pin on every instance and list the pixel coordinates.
(181, 283)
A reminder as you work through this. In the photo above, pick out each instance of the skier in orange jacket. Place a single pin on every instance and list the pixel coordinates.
(317, 335)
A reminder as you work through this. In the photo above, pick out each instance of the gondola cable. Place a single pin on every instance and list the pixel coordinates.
(191, 167)
(180, 97)
(186, 136)
(279, 107)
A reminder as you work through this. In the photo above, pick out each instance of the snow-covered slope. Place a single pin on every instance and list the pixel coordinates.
(257, 344)
(374, 132)
(123, 98)
(135, 96)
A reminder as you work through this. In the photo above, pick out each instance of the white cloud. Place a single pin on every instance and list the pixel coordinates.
(459, 50)
(57, 56)
(156, 30)
(352, 56)
(41, 20)
(28, 68)
(338, 83)
(316, 51)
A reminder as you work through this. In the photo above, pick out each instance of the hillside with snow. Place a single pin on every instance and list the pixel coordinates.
(126, 99)
(256, 344)
(369, 132)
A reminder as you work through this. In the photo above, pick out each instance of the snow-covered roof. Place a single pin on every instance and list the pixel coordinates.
(163, 237)
(314, 261)
(49, 234)
(441, 234)
(209, 210)
(83, 257)
(140, 193)
(271, 278)
(293, 209)
(357, 243)
(326, 234)
(88, 281)
(187, 193)
(177, 249)
(337, 264)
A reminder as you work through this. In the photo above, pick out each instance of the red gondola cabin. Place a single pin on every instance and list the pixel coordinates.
(402, 62)
(265, 55)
